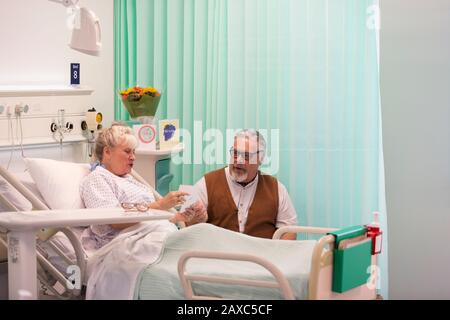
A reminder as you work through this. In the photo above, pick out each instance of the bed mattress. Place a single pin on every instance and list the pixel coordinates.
(160, 280)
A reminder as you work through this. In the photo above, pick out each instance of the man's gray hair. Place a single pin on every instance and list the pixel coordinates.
(253, 134)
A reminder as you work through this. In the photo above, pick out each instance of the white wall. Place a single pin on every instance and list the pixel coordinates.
(415, 91)
(34, 51)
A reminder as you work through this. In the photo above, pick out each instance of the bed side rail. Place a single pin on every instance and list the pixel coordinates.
(37, 204)
(54, 273)
(7, 204)
(13, 181)
(322, 256)
(301, 229)
(187, 279)
(322, 265)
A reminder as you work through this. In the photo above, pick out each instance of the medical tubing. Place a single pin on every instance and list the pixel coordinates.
(12, 140)
(19, 117)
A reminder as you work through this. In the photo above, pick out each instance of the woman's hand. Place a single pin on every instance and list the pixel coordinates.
(171, 200)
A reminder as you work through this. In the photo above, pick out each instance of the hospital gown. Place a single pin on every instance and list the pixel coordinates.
(103, 189)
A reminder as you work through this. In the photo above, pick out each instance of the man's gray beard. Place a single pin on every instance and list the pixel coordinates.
(238, 178)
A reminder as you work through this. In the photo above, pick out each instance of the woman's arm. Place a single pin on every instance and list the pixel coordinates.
(171, 200)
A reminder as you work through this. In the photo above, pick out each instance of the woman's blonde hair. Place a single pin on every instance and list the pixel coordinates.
(112, 137)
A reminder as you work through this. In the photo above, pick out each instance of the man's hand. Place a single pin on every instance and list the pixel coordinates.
(195, 214)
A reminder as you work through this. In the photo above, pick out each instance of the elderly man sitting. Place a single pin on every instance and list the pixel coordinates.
(241, 198)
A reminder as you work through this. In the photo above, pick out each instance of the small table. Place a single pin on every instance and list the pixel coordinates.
(21, 228)
(146, 162)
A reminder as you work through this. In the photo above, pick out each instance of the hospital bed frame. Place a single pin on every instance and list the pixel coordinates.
(319, 284)
(320, 279)
(49, 276)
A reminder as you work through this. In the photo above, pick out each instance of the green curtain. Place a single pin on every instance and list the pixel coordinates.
(307, 68)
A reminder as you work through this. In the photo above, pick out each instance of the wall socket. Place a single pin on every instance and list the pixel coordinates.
(21, 108)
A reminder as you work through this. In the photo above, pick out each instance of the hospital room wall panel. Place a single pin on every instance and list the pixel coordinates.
(42, 112)
(35, 51)
(32, 130)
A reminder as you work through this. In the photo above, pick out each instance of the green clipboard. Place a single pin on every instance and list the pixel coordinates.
(352, 258)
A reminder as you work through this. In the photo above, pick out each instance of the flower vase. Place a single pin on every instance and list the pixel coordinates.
(141, 107)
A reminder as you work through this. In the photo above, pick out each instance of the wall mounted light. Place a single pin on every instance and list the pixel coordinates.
(85, 25)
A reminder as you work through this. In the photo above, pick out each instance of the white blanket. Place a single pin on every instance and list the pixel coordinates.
(113, 269)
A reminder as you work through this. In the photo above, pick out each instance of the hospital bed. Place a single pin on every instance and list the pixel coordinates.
(57, 248)
(189, 269)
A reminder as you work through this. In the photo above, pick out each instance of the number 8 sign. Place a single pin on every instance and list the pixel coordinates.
(74, 73)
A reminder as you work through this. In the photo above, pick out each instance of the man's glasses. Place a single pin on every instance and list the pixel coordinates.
(141, 207)
(244, 155)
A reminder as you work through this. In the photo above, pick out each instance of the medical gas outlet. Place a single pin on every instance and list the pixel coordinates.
(93, 121)
(61, 126)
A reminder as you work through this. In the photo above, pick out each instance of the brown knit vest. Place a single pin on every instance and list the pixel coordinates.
(262, 214)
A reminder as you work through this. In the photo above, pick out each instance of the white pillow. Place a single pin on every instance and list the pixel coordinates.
(58, 181)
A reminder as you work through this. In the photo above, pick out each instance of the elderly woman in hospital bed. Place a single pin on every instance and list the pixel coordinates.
(111, 185)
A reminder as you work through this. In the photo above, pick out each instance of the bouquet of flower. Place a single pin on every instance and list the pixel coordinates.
(141, 102)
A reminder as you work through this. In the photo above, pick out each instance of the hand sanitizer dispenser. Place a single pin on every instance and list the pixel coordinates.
(374, 232)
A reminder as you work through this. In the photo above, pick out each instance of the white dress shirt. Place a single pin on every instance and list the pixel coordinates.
(243, 198)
